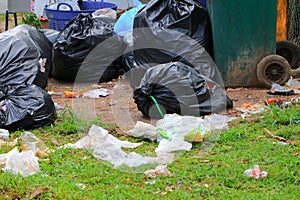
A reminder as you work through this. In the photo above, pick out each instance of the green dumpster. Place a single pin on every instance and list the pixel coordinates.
(244, 32)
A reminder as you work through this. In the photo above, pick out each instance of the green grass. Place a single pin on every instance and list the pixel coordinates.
(238, 149)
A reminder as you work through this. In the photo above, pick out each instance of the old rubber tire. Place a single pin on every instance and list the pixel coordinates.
(289, 51)
(273, 68)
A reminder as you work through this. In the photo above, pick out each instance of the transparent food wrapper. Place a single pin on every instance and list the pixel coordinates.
(144, 130)
(4, 134)
(31, 143)
(256, 173)
(106, 147)
(24, 163)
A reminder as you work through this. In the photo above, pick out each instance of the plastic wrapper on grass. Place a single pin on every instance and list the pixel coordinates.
(26, 56)
(24, 163)
(25, 106)
(31, 143)
(108, 148)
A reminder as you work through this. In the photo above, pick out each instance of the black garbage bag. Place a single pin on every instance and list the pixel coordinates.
(174, 31)
(25, 106)
(89, 48)
(178, 88)
(51, 34)
(25, 57)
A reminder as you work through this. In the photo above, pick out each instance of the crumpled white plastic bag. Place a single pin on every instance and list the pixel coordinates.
(24, 163)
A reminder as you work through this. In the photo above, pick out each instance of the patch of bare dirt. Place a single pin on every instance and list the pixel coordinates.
(119, 107)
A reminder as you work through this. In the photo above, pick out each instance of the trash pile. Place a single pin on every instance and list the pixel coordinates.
(167, 55)
(25, 65)
(165, 48)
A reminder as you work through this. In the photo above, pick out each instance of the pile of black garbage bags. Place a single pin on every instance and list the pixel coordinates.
(169, 63)
(25, 64)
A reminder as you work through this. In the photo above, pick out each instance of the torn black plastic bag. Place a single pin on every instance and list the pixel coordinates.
(87, 44)
(178, 88)
(174, 30)
(25, 57)
(25, 106)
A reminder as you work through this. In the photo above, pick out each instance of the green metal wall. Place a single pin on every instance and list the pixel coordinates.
(244, 31)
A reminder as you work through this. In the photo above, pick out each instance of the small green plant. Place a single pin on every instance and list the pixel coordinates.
(32, 20)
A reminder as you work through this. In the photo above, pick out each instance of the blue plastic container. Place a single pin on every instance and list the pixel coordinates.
(58, 19)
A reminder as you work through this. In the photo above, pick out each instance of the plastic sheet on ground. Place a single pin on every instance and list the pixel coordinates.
(144, 130)
(4, 134)
(24, 163)
(97, 93)
(176, 126)
(106, 147)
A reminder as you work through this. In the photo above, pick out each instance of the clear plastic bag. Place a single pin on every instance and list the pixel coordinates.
(24, 163)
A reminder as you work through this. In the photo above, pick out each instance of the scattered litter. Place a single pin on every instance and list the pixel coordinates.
(179, 182)
(281, 143)
(184, 126)
(144, 130)
(297, 121)
(57, 106)
(13, 143)
(81, 186)
(55, 93)
(204, 161)
(248, 109)
(271, 101)
(31, 143)
(97, 93)
(24, 163)
(160, 170)
(256, 173)
(152, 182)
(4, 134)
(106, 147)
(277, 89)
(176, 144)
(54, 141)
(294, 83)
(70, 94)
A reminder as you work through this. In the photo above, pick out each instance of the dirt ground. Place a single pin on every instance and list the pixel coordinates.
(119, 107)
